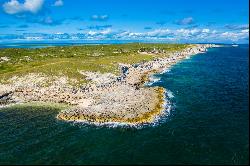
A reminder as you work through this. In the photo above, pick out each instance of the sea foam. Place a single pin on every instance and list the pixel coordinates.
(170, 94)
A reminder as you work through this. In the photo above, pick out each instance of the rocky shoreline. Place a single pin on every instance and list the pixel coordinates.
(107, 98)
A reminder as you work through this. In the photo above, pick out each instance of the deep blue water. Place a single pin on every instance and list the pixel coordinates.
(209, 123)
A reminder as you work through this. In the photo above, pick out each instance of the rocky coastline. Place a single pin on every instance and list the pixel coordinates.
(106, 98)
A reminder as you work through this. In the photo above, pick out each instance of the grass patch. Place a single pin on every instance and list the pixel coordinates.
(68, 60)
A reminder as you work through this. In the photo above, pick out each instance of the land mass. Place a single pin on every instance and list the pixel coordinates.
(100, 83)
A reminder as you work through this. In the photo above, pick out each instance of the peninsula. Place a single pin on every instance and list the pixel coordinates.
(99, 83)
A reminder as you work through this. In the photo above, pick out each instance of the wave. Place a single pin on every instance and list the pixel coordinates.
(169, 94)
(165, 71)
(153, 79)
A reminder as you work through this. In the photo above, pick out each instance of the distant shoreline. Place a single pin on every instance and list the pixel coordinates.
(45, 44)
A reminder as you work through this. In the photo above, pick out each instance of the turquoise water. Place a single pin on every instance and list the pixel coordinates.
(207, 125)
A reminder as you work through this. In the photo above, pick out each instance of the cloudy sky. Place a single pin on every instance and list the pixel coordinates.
(175, 21)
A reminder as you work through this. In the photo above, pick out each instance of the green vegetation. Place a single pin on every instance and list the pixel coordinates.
(68, 60)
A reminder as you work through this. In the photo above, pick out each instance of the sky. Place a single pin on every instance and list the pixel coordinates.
(171, 21)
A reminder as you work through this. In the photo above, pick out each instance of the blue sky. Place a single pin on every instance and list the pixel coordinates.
(175, 21)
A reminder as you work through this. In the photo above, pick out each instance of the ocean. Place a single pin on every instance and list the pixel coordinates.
(208, 122)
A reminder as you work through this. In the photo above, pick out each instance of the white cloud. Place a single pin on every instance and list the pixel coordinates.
(197, 35)
(92, 33)
(237, 27)
(12, 7)
(58, 3)
(100, 33)
(188, 35)
(235, 36)
(15, 7)
(205, 30)
(229, 35)
(245, 31)
(99, 17)
(106, 31)
(103, 17)
(48, 20)
(194, 31)
(121, 34)
(159, 32)
(185, 21)
(214, 31)
(33, 5)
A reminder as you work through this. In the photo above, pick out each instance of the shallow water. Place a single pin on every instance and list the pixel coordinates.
(207, 125)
